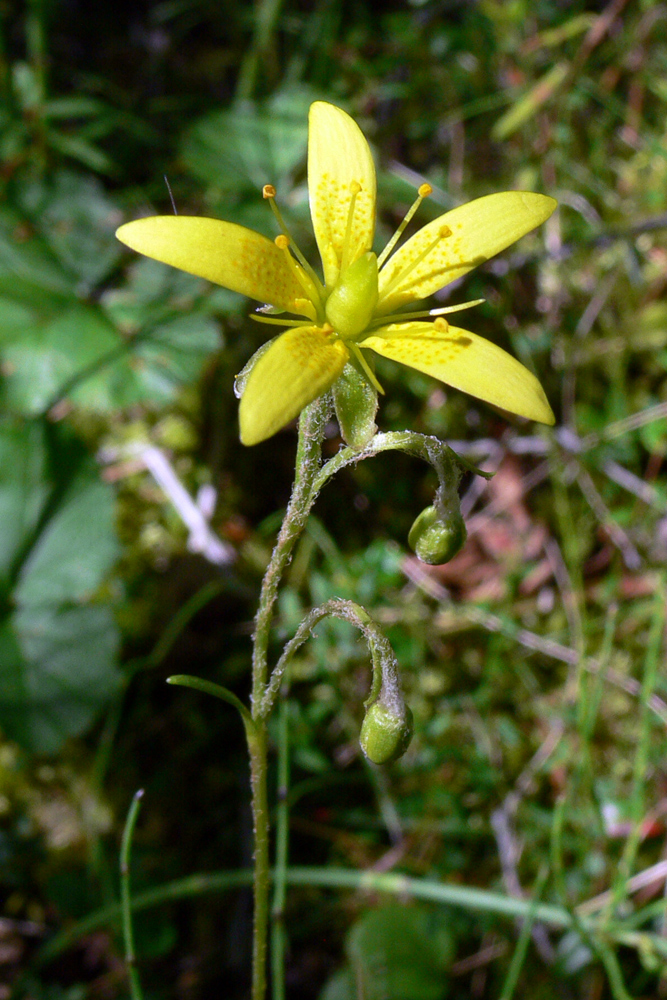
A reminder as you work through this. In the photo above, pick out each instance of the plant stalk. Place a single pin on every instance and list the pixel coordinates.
(308, 462)
(257, 746)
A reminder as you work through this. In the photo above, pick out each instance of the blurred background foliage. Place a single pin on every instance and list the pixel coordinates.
(532, 661)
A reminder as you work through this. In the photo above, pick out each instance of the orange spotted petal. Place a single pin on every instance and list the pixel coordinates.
(299, 366)
(222, 252)
(453, 244)
(466, 362)
(339, 164)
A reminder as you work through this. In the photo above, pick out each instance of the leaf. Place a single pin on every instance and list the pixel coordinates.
(78, 355)
(78, 106)
(339, 987)
(23, 490)
(25, 258)
(57, 654)
(395, 952)
(57, 670)
(75, 551)
(77, 220)
(55, 248)
(155, 367)
(243, 150)
(42, 360)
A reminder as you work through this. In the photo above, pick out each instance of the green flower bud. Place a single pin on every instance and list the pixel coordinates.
(385, 734)
(356, 404)
(436, 540)
(352, 302)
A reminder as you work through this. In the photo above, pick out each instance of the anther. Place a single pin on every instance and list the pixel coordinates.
(441, 325)
(444, 232)
(423, 191)
(268, 191)
(282, 242)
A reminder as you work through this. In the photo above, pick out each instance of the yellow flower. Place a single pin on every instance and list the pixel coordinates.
(355, 309)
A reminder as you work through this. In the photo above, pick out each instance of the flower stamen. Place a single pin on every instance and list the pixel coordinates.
(366, 368)
(355, 188)
(269, 194)
(443, 233)
(423, 191)
(312, 294)
(400, 317)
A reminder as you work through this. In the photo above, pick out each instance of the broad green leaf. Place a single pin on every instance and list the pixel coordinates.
(25, 257)
(76, 550)
(77, 220)
(42, 362)
(395, 952)
(82, 151)
(57, 670)
(243, 150)
(174, 354)
(78, 106)
(154, 367)
(59, 236)
(23, 490)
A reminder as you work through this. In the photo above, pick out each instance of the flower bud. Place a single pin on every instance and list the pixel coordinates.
(436, 540)
(351, 304)
(356, 404)
(385, 734)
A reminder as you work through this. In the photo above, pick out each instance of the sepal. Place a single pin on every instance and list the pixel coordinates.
(356, 403)
(241, 379)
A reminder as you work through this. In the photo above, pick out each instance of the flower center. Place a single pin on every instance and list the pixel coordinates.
(351, 306)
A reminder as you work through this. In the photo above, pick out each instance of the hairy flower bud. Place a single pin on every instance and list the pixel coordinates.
(436, 539)
(385, 733)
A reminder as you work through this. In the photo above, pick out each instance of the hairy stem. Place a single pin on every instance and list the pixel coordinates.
(260, 814)
(308, 461)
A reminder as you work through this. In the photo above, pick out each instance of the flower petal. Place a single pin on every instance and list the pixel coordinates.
(222, 252)
(298, 367)
(478, 230)
(338, 155)
(467, 362)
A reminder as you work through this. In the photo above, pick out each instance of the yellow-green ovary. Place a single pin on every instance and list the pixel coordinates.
(352, 302)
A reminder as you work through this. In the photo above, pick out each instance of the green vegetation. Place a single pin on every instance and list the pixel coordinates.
(517, 849)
